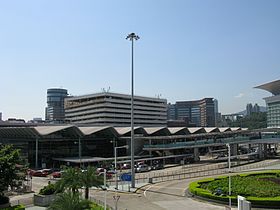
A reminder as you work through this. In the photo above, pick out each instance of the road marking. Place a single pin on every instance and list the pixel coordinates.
(147, 190)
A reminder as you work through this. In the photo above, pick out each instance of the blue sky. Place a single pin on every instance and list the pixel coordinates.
(188, 49)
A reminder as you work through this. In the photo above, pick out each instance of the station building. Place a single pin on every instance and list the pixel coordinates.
(50, 145)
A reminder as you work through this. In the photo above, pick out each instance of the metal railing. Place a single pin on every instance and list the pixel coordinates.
(199, 171)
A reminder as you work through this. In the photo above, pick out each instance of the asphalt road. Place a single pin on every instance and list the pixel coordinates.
(160, 196)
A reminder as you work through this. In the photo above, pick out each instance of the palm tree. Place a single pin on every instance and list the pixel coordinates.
(89, 178)
(70, 180)
(69, 201)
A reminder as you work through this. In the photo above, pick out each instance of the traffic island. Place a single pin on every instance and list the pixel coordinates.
(261, 189)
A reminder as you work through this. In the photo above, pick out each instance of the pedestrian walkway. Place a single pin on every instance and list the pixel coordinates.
(36, 208)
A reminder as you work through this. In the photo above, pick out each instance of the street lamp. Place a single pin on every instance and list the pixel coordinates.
(131, 37)
(115, 151)
(229, 176)
(105, 188)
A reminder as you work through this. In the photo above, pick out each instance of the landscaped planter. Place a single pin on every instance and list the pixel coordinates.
(43, 200)
(260, 188)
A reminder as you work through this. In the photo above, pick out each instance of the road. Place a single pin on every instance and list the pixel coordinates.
(160, 196)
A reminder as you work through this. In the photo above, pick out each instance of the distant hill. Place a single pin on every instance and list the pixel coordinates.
(262, 109)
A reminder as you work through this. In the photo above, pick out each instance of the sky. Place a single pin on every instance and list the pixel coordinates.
(188, 50)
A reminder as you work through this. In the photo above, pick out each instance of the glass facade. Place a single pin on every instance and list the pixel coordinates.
(55, 109)
(200, 112)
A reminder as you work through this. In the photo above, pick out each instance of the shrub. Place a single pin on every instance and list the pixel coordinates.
(48, 190)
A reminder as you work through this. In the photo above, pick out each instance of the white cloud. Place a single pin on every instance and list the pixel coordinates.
(240, 95)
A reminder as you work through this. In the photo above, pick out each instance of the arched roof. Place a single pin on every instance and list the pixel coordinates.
(63, 130)
(235, 129)
(211, 129)
(273, 87)
(177, 130)
(224, 129)
(47, 130)
(157, 130)
(196, 130)
(72, 131)
(93, 130)
(122, 131)
(17, 132)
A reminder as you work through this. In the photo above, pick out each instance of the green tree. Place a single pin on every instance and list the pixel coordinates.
(74, 179)
(69, 201)
(70, 180)
(11, 168)
(253, 121)
(89, 178)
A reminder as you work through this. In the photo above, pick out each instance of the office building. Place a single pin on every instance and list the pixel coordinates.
(55, 105)
(0, 116)
(272, 103)
(249, 109)
(114, 109)
(198, 112)
(252, 109)
(171, 111)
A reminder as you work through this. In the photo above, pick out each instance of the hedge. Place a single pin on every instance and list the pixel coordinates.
(17, 207)
(195, 189)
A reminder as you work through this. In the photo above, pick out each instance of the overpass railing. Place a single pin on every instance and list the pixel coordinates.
(241, 139)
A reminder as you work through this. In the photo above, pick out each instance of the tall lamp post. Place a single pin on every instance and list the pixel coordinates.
(229, 176)
(104, 188)
(131, 37)
(115, 151)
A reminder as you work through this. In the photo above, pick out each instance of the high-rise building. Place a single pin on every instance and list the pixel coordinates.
(256, 108)
(272, 103)
(55, 105)
(114, 109)
(171, 111)
(249, 109)
(0, 116)
(200, 112)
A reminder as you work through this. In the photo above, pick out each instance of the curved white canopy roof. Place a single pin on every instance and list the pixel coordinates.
(273, 87)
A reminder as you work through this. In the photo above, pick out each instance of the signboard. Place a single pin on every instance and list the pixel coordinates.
(243, 204)
(125, 177)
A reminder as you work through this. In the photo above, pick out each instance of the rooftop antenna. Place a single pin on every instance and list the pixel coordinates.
(158, 95)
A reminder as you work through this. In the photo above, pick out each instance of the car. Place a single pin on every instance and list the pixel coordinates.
(143, 168)
(39, 173)
(47, 171)
(99, 170)
(57, 174)
(125, 166)
(157, 166)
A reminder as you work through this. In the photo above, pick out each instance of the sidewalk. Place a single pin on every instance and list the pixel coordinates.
(36, 208)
